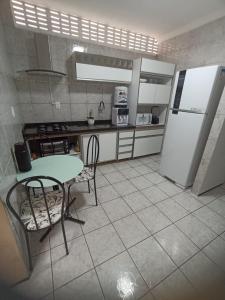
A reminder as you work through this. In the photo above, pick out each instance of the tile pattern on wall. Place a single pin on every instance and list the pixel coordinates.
(37, 94)
(10, 126)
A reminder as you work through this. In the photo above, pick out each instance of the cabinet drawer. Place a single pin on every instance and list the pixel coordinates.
(124, 155)
(126, 134)
(125, 149)
(147, 92)
(139, 133)
(147, 145)
(157, 67)
(126, 142)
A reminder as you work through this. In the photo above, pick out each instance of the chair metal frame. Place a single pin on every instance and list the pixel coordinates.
(25, 182)
(92, 157)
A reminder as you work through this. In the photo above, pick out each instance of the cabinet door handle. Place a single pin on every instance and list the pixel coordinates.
(147, 136)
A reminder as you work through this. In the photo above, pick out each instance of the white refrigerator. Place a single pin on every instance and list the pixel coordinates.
(194, 100)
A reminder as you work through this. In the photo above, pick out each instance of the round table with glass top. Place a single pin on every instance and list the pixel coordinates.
(61, 167)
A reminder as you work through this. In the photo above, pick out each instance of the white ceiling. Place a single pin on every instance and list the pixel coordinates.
(160, 18)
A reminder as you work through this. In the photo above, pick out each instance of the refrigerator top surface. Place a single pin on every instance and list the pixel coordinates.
(193, 88)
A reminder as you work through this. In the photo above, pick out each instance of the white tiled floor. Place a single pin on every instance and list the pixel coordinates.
(147, 240)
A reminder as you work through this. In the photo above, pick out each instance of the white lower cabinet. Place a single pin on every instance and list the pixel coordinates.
(145, 145)
(107, 146)
(107, 143)
(146, 142)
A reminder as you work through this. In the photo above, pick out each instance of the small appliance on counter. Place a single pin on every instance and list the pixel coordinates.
(120, 116)
(22, 157)
(155, 115)
(143, 119)
(120, 111)
(121, 96)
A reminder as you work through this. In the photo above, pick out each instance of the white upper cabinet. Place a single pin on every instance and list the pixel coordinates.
(157, 67)
(102, 73)
(147, 93)
(154, 93)
(162, 95)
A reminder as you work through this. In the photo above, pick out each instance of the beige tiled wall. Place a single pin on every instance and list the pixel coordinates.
(36, 93)
(10, 127)
(203, 46)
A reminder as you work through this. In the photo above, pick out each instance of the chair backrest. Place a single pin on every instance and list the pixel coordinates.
(92, 152)
(41, 192)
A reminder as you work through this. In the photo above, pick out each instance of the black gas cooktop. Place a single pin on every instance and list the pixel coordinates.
(51, 128)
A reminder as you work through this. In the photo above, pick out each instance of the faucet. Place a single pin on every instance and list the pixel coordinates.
(101, 106)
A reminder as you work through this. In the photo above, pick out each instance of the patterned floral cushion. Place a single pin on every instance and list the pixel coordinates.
(54, 201)
(86, 174)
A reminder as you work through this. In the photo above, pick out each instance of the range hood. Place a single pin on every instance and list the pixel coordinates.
(43, 58)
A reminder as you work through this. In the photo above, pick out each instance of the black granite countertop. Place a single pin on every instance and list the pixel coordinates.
(31, 130)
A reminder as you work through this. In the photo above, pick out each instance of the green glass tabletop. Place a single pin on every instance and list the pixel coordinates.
(61, 167)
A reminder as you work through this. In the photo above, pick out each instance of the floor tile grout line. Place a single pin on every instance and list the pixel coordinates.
(93, 264)
(71, 280)
(153, 204)
(151, 234)
(174, 223)
(190, 213)
(215, 210)
(178, 203)
(199, 251)
(130, 256)
(127, 250)
(53, 286)
(148, 292)
(200, 248)
(178, 267)
(205, 223)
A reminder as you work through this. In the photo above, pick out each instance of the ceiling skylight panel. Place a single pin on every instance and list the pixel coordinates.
(52, 21)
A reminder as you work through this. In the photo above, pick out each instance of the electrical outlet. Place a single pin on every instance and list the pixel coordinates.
(57, 105)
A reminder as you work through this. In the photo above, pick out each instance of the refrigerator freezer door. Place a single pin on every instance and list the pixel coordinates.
(180, 146)
(196, 89)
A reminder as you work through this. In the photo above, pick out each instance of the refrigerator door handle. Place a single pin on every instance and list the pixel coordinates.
(187, 111)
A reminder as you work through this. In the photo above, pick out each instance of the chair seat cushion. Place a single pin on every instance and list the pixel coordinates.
(54, 201)
(86, 174)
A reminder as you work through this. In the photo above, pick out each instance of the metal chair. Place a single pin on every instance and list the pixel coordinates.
(89, 171)
(40, 211)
